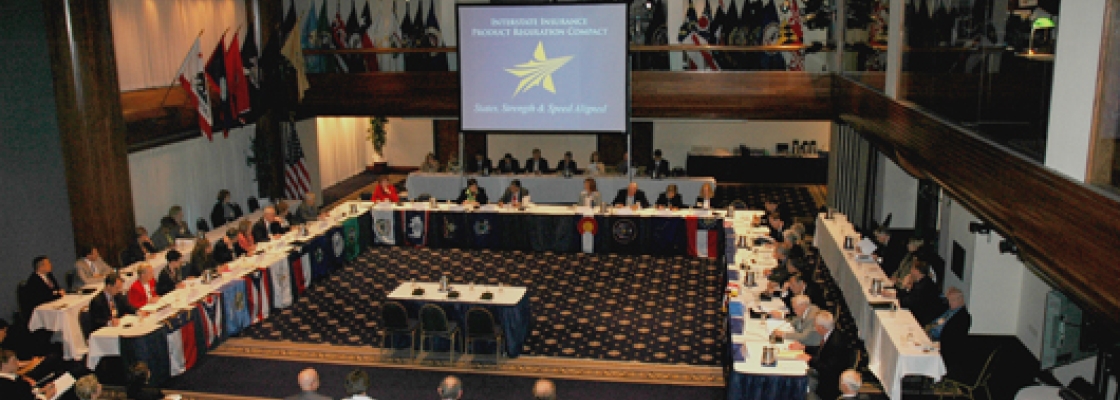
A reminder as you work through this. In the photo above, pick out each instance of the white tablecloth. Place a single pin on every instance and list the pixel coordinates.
(62, 317)
(551, 189)
(503, 296)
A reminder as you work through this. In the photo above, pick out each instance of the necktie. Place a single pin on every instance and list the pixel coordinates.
(92, 268)
(48, 281)
(112, 305)
(515, 197)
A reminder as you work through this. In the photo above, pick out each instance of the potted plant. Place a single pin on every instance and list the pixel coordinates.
(377, 136)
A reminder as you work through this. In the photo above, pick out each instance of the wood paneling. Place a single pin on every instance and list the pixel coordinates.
(1104, 158)
(1065, 229)
(92, 128)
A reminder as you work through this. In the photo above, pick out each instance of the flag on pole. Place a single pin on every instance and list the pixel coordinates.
(296, 179)
(210, 310)
(309, 39)
(280, 272)
(406, 40)
(793, 34)
(367, 41)
(587, 228)
(769, 36)
(331, 62)
(289, 21)
(419, 60)
(354, 40)
(216, 71)
(436, 61)
(703, 238)
(237, 81)
(250, 59)
(294, 53)
(193, 79)
(690, 34)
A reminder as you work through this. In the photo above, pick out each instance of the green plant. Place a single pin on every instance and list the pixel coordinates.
(377, 134)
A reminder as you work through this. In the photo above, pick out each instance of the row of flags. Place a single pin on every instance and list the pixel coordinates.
(760, 23)
(230, 73)
(369, 29)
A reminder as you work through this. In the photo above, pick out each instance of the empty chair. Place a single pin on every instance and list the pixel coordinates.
(954, 388)
(366, 196)
(202, 226)
(254, 205)
(434, 323)
(395, 321)
(481, 325)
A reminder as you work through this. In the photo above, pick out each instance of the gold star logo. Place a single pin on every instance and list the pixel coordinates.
(538, 71)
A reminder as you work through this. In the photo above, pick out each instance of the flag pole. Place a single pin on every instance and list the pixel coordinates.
(180, 71)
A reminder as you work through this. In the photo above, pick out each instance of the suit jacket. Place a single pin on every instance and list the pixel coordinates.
(480, 197)
(38, 292)
(163, 239)
(100, 313)
(183, 231)
(260, 231)
(923, 300)
(804, 328)
(473, 166)
(892, 252)
(305, 213)
(511, 166)
(18, 389)
(307, 396)
(639, 198)
(137, 296)
(813, 293)
(663, 200)
(218, 214)
(87, 273)
(571, 166)
(536, 165)
(168, 280)
(711, 202)
(223, 253)
(660, 169)
(955, 348)
(830, 360)
(135, 253)
(507, 197)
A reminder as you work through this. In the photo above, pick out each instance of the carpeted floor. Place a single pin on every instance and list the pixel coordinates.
(277, 379)
(802, 200)
(631, 308)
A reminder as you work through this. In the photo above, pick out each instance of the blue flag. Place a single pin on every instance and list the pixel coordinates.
(484, 228)
(235, 304)
(414, 225)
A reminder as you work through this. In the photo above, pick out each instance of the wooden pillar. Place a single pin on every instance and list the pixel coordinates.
(92, 129)
(278, 106)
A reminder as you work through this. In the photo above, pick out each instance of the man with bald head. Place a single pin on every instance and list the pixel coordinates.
(451, 388)
(850, 382)
(261, 231)
(544, 389)
(308, 385)
(631, 197)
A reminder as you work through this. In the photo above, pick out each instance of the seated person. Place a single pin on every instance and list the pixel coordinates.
(514, 194)
(172, 276)
(140, 249)
(308, 209)
(590, 193)
(785, 268)
(624, 165)
(480, 165)
(594, 165)
(281, 223)
(707, 197)
(830, 359)
(87, 388)
(262, 230)
(659, 167)
(385, 191)
(430, 164)
(225, 250)
(91, 268)
(951, 330)
(473, 194)
(777, 225)
(536, 164)
(143, 291)
(631, 197)
(795, 286)
(202, 258)
(453, 164)
(567, 165)
(850, 382)
(245, 242)
(182, 228)
(915, 249)
(224, 210)
(802, 321)
(15, 387)
(791, 238)
(919, 294)
(138, 387)
(670, 198)
(41, 287)
(891, 248)
(165, 235)
(509, 165)
(107, 308)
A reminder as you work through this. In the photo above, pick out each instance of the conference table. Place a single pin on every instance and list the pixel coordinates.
(549, 188)
(509, 306)
(897, 345)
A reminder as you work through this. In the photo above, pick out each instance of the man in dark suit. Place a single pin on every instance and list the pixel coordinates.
(480, 165)
(631, 197)
(951, 329)
(892, 248)
(659, 167)
(473, 194)
(110, 305)
(172, 276)
(567, 164)
(797, 286)
(509, 165)
(261, 232)
(15, 387)
(830, 359)
(514, 194)
(919, 294)
(536, 164)
(41, 286)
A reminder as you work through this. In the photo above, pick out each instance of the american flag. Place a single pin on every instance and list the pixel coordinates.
(296, 179)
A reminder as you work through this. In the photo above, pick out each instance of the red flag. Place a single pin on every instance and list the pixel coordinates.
(236, 80)
(190, 344)
(703, 237)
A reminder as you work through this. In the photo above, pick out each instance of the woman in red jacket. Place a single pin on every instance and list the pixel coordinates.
(385, 191)
(143, 291)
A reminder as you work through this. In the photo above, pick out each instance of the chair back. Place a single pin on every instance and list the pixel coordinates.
(254, 205)
(480, 322)
(986, 372)
(365, 196)
(394, 316)
(423, 197)
(433, 319)
(121, 256)
(70, 277)
(202, 226)
(21, 292)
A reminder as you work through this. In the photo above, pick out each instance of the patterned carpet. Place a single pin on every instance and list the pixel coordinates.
(622, 308)
(799, 199)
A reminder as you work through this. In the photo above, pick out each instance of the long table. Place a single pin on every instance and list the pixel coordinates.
(896, 344)
(760, 169)
(548, 189)
(509, 306)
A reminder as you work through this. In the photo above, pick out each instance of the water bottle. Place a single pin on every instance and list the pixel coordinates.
(443, 283)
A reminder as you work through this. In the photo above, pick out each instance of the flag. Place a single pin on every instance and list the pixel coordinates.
(735, 34)
(719, 25)
(250, 59)
(587, 228)
(436, 61)
(354, 40)
(418, 38)
(300, 263)
(371, 63)
(771, 32)
(181, 342)
(691, 34)
(414, 225)
(210, 311)
(235, 307)
(451, 231)
(151, 349)
(258, 294)
(406, 39)
(703, 236)
(296, 179)
(280, 272)
(657, 34)
(331, 62)
(624, 235)
(294, 53)
(383, 229)
(193, 79)
(338, 39)
(289, 22)
(484, 228)
(793, 34)
(216, 71)
(309, 39)
(667, 235)
(337, 245)
(350, 233)
(319, 249)
(238, 83)
(396, 40)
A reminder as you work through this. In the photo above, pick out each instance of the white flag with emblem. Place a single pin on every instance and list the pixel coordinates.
(281, 283)
(383, 227)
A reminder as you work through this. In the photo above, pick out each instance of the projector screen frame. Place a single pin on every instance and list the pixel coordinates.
(626, 71)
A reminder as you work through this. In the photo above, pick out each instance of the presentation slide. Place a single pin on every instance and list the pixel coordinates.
(545, 68)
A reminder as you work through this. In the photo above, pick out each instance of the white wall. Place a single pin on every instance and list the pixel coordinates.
(552, 147)
(408, 141)
(343, 148)
(1075, 82)
(897, 194)
(676, 138)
